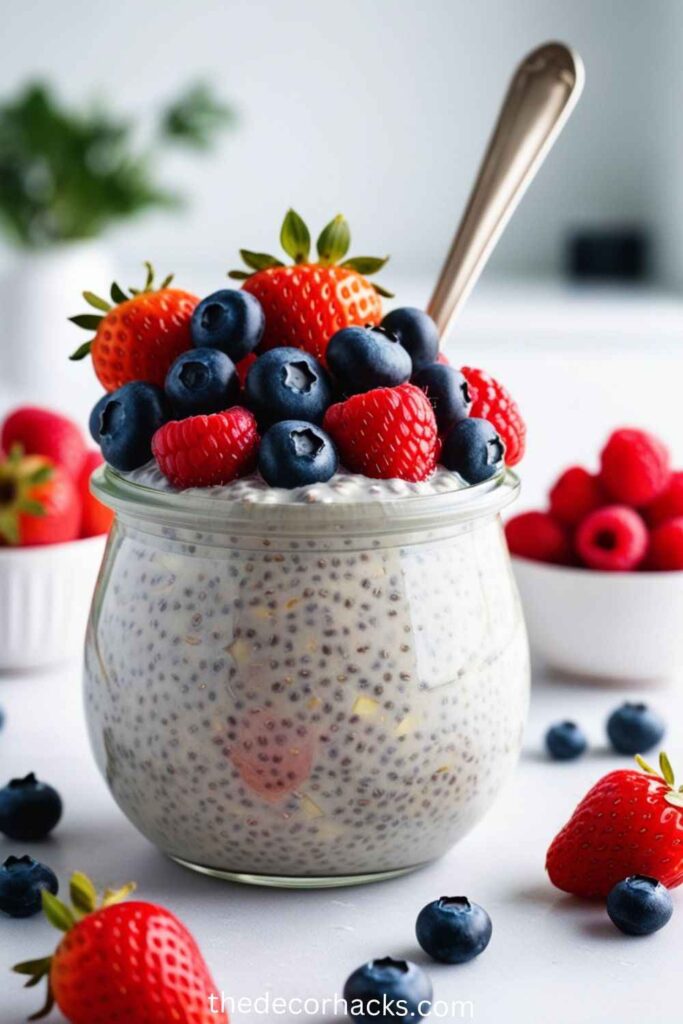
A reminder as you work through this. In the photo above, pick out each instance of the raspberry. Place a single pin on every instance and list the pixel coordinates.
(204, 451)
(634, 467)
(666, 546)
(537, 536)
(386, 433)
(613, 539)
(43, 432)
(575, 494)
(244, 366)
(492, 402)
(668, 505)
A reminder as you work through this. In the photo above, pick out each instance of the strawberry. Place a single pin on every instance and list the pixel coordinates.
(43, 432)
(204, 451)
(133, 962)
(307, 303)
(38, 501)
(629, 823)
(386, 433)
(140, 335)
(96, 518)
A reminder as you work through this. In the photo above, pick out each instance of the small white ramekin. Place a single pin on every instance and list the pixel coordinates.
(45, 595)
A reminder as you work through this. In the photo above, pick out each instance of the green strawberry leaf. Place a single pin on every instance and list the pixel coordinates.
(149, 279)
(117, 294)
(366, 265)
(88, 321)
(384, 292)
(112, 896)
(259, 260)
(57, 913)
(96, 302)
(666, 769)
(239, 275)
(334, 241)
(166, 282)
(32, 508)
(82, 351)
(41, 475)
(83, 893)
(295, 237)
(35, 968)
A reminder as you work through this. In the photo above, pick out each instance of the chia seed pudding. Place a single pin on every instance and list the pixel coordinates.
(306, 686)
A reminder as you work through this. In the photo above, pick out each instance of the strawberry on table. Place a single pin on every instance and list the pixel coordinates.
(96, 518)
(44, 432)
(39, 503)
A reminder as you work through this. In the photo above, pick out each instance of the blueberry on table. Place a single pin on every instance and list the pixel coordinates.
(22, 880)
(634, 728)
(448, 391)
(288, 384)
(294, 453)
(200, 382)
(416, 332)
(452, 930)
(387, 990)
(29, 809)
(125, 421)
(639, 905)
(473, 449)
(565, 741)
(230, 320)
(363, 358)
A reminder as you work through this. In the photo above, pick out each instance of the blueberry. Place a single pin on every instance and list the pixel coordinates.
(363, 358)
(230, 320)
(385, 991)
(639, 905)
(473, 449)
(202, 381)
(22, 880)
(29, 809)
(288, 384)
(125, 422)
(634, 729)
(294, 453)
(453, 930)
(417, 332)
(448, 391)
(565, 741)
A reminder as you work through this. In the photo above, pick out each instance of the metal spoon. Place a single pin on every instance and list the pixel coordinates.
(542, 94)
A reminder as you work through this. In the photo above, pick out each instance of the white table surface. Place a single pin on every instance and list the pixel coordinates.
(551, 957)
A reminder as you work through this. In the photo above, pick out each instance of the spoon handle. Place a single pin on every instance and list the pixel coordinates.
(541, 96)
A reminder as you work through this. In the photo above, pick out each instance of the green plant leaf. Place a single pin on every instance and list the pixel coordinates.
(334, 241)
(83, 893)
(295, 237)
(384, 292)
(82, 351)
(195, 117)
(117, 294)
(239, 275)
(259, 260)
(57, 913)
(88, 321)
(366, 265)
(96, 302)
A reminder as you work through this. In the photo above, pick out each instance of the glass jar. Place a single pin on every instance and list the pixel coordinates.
(305, 695)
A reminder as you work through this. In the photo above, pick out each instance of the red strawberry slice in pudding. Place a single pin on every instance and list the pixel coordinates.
(272, 753)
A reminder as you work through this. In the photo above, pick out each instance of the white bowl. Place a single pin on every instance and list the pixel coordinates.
(45, 595)
(621, 626)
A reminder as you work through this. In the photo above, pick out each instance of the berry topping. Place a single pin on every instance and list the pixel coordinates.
(294, 453)
(201, 381)
(229, 320)
(668, 505)
(125, 422)
(634, 729)
(386, 433)
(612, 539)
(96, 518)
(634, 467)
(205, 451)
(565, 741)
(536, 535)
(639, 905)
(492, 402)
(666, 546)
(244, 366)
(273, 754)
(363, 358)
(386, 990)
(417, 332)
(288, 384)
(42, 432)
(39, 502)
(473, 449)
(22, 881)
(453, 930)
(448, 391)
(29, 809)
(575, 494)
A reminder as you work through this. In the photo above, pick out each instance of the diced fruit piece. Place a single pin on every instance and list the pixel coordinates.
(363, 358)
(288, 384)
(492, 402)
(639, 905)
(453, 930)
(629, 823)
(140, 335)
(39, 503)
(417, 332)
(448, 391)
(273, 755)
(201, 381)
(635, 729)
(96, 518)
(666, 546)
(205, 451)
(22, 881)
(539, 537)
(473, 449)
(668, 505)
(565, 741)
(634, 467)
(29, 809)
(612, 539)
(388, 982)
(294, 453)
(43, 432)
(386, 433)
(125, 423)
(230, 320)
(574, 495)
